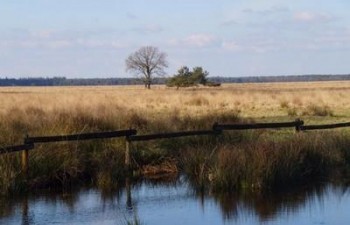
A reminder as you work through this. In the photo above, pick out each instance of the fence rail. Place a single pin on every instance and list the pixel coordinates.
(325, 126)
(16, 148)
(78, 137)
(149, 137)
(296, 124)
(130, 136)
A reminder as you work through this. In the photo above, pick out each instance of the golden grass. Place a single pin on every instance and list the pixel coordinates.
(65, 110)
(250, 100)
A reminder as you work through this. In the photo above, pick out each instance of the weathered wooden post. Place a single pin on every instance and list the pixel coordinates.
(127, 154)
(298, 124)
(214, 127)
(24, 161)
(25, 157)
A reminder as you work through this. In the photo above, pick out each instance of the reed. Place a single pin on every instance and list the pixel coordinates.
(235, 160)
(270, 165)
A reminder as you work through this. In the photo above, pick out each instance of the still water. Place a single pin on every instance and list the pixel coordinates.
(176, 202)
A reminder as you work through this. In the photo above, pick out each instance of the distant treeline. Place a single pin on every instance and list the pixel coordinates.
(62, 81)
(285, 78)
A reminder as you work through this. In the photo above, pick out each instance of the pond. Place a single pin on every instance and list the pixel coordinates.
(176, 202)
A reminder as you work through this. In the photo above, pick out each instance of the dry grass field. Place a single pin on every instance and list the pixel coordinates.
(258, 160)
(262, 100)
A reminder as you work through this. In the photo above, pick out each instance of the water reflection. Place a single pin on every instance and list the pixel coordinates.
(267, 205)
(26, 219)
(171, 202)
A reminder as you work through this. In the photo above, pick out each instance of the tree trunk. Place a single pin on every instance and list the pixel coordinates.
(148, 82)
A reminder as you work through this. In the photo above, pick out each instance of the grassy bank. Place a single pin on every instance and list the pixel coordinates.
(98, 162)
(260, 163)
(253, 160)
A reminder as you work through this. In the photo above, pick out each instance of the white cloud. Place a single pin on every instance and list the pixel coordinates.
(230, 45)
(24, 44)
(228, 22)
(57, 44)
(196, 41)
(119, 45)
(90, 43)
(60, 39)
(62, 43)
(42, 34)
(256, 44)
(100, 43)
(311, 17)
(148, 29)
(199, 40)
(271, 10)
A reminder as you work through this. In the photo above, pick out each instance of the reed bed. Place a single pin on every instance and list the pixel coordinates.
(233, 161)
(261, 164)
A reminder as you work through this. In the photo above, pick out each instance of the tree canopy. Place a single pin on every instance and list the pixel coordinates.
(147, 62)
(187, 78)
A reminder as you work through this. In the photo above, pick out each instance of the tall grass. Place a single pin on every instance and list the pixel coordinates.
(11, 179)
(232, 161)
(97, 162)
(263, 164)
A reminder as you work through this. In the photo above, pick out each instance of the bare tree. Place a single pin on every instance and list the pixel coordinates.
(147, 62)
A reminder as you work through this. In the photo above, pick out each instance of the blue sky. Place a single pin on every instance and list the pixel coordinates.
(90, 38)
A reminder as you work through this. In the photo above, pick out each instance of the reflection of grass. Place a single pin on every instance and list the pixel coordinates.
(134, 221)
(65, 110)
(267, 206)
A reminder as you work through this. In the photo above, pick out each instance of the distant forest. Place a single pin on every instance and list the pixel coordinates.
(62, 81)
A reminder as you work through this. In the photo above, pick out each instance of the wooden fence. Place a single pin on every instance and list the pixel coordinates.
(131, 136)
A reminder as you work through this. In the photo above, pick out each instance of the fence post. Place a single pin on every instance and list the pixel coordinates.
(214, 126)
(127, 154)
(298, 124)
(24, 161)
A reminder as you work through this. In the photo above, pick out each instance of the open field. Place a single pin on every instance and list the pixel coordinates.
(250, 100)
(259, 161)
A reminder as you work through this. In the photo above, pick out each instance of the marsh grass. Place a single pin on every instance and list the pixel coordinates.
(249, 159)
(317, 110)
(11, 179)
(267, 165)
(98, 162)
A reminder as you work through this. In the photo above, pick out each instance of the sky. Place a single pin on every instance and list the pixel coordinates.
(92, 38)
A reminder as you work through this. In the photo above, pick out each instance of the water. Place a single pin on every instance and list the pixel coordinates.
(177, 203)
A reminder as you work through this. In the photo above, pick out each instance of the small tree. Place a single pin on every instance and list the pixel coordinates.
(199, 75)
(147, 62)
(187, 78)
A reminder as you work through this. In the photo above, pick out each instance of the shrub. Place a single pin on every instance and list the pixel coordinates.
(198, 101)
(284, 104)
(292, 111)
(316, 110)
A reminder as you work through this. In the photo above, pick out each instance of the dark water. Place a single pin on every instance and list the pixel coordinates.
(177, 203)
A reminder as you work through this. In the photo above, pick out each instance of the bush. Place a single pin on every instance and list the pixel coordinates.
(316, 110)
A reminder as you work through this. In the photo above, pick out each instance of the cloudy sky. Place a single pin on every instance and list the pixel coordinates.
(92, 38)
